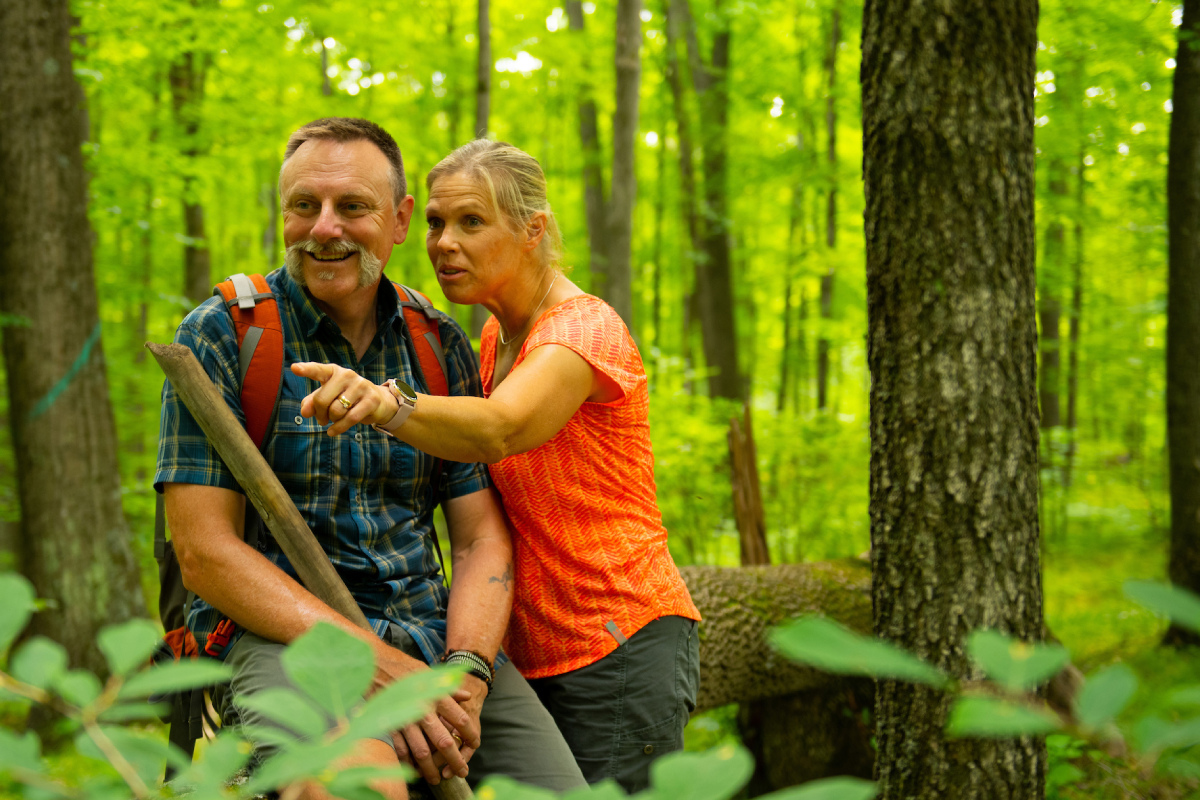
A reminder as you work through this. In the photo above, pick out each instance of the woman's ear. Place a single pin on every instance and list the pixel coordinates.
(535, 229)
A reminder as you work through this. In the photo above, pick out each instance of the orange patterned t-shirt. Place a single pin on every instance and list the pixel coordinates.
(589, 545)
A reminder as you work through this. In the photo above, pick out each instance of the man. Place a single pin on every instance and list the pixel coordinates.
(368, 498)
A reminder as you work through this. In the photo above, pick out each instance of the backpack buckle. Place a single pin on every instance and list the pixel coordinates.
(218, 640)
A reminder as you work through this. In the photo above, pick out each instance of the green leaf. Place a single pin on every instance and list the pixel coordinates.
(1185, 696)
(716, 774)
(351, 784)
(331, 667)
(822, 643)
(20, 751)
(1105, 694)
(403, 702)
(132, 712)
(607, 789)
(1180, 765)
(175, 677)
(39, 662)
(16, 607)
(129, 645)
(221, 759)
(290, 709)
(1014, 664)
(1063, 775)
(306, 760)
(144, 750)
(842, 788)
(269, 735)
(502, 787)
(1180, 605)
(993, 718)
(1156, 735)
(78, 686)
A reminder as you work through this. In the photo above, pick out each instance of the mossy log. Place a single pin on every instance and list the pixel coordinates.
(741, 604)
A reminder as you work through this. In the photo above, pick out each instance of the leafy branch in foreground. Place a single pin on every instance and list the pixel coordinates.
(1006, 705)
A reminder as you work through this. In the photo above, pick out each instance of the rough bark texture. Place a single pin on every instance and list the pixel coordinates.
(714, 267)
(1183, 312)
(75, 545)
(619, 227)
(952, 348)
(747, 492)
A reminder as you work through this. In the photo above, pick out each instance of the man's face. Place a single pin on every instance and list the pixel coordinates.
(339, 219)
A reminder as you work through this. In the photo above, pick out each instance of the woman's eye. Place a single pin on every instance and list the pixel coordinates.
(474, 222)
(434, 223)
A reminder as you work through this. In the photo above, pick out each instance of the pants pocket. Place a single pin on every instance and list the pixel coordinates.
(638, 749)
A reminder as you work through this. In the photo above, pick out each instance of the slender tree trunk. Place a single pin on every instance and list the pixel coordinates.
(75, 545)
(952, 348)
(660, 208)
(1049, 307)
(326, 85)
(595, 203)
(623, 195)
(828, 278)
(714, 273)
(1183, 313)
(1074, 326)
(483, 100)
(187, 93)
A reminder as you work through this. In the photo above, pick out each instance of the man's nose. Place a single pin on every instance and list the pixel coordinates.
(328, 224)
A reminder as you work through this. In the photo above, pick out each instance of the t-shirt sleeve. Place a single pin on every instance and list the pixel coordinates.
(184, 452)
(594, 330)
(462, 376)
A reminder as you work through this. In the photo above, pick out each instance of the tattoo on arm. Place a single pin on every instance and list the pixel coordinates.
(504, 579)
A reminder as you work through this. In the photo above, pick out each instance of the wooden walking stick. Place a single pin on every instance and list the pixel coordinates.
(267, 494)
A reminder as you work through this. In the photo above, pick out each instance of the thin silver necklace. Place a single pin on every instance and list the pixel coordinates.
(532, 316)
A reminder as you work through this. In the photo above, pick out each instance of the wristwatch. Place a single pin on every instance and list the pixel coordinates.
(406, 397)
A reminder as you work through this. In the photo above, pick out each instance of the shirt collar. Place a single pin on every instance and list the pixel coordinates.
(387, 305)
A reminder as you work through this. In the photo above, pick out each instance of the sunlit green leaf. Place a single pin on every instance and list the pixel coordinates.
(129, 645)
(16, 606)
(289, 709)
(1014, 664)
(843, 788)
(403, 702)
(39, 662)
(331, 667)
(994, 718)
(78, 686)
(20, 751)
(822, 643)
(1180, 605)
(716, 774)
(174, 677)
(1105, 694)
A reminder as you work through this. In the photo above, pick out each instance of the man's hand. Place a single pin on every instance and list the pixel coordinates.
(429, 743)
(472, 702)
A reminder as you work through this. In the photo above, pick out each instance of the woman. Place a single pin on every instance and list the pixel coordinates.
(602, 624)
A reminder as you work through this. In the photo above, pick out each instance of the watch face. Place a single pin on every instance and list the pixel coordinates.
(406, 391)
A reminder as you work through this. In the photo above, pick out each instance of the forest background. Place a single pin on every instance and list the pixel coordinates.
(190, 102)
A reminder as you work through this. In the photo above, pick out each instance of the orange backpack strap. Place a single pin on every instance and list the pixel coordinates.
(422, 320)
(260, 349)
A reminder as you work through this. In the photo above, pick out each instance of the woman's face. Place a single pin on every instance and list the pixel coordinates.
(470, 244)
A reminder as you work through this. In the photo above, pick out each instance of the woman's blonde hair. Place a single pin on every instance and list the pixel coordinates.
(515, 182)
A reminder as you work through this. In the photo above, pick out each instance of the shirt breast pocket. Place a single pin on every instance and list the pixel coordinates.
(300, 452)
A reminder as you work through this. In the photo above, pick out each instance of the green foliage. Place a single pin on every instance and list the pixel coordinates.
(829, 646)
(1014, 665)
(1104, 696)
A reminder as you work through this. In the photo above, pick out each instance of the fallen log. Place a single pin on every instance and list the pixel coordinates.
(269, 497)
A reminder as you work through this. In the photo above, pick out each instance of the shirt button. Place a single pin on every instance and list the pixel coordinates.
(648, 749)
(358, 437)
(299, 420)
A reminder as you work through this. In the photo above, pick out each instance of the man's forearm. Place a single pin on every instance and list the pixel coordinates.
(480, 598)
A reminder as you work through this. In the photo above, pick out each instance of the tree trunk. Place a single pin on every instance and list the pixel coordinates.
(594, 201)
(75, 544)
(952, 349)
(623, 194)
(1049, 307)
(827, 279)
(187, 93)
(714, 278)
(483, 100)
(1183, 313)
(1073, 327)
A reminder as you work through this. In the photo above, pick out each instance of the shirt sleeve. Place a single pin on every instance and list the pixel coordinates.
(462, 376)
(184, 452)
(593, 329)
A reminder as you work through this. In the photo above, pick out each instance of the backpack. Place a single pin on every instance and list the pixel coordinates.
(259, 329)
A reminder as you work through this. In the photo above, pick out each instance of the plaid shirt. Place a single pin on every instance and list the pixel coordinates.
(367, 497)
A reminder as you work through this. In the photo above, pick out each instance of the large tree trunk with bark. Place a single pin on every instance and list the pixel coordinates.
(952, 348)
(1183, 313)
(75, 545)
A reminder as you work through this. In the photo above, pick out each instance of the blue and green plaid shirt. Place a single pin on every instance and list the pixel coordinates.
(368, 497)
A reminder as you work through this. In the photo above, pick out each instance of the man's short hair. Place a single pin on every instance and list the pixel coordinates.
(352, 129)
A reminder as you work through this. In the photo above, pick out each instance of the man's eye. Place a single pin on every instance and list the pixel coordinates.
(354, 206)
